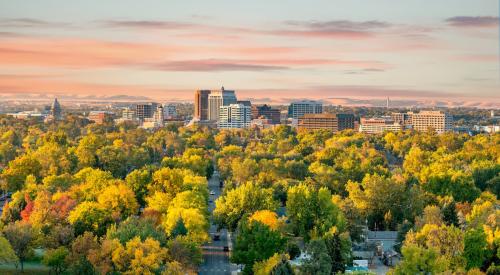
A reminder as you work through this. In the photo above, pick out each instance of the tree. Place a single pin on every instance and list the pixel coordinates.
(312, 212)
(101, 257)
(7, 253)
(376, 205)
(339, 249)
(277, 264)
(56, 259)
(138, 181)
(266, 217)
(245, 199)
(21, 237)
(256, 242)
(185, 252)
(80, 248)
(136, 227)
(139, 257)
(90, 216)
(319, 261)
(419, 260)
(475, 248)
(195, 222)
(120, 199)
(17, 171)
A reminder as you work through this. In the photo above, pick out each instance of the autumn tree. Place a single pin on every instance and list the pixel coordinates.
(21, 237)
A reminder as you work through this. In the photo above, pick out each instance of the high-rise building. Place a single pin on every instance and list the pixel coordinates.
(145, 110)
(379, 125)
(439, 121)
(267, 112)
(216, 99)
(56, 110)
(244, 102)
(332, 122)
(201, 104)
(170, 111)
(235, 116)
(300, 108)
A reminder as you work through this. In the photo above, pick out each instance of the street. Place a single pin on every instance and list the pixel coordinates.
(216, 261)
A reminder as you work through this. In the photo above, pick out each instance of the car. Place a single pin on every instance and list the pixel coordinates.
(216, 237)
(212, 192)
(210, 201)
(225, 249)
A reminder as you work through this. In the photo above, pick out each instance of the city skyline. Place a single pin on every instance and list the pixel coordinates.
(342, 52)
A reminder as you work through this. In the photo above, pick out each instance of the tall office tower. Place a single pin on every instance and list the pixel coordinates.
(216, 99)
(201, 104)
(439, 121)
(235, 116)
(55, 109)
(170, 111)
(300, 108)
(332, 122)
(145, 110)
(267, 112)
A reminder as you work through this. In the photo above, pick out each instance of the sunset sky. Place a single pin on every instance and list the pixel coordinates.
(445, 50)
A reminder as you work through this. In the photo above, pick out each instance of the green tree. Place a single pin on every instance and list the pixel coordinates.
(56, 259)
(419, 260)
(319, 261)
(7, 253)
(245, 199)
(475, 248)
(256, 242)
(21, 237)
(80, 248)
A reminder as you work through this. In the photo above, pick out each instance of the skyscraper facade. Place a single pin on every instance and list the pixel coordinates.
(300, 108)
(217, 99)
(235, 116)
(145, 110)
(201, 104)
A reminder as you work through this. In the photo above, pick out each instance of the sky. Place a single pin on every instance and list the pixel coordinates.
(339, 51)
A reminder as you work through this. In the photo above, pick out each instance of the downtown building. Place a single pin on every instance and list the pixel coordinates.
(201, 105)
(145, 110)
(218, 99)
(436, 120)
(380, 125)
(331, 122)
(235, 116)
(299, 108)
(266, 112)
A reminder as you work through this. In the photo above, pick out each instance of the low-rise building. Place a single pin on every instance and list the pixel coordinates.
(100, 117)
(379, 125)
(332, 122)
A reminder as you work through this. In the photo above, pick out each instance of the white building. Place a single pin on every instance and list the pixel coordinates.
(217, 99)
(379, 125)
(300, 108)
(235, 116)
(439, 121)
